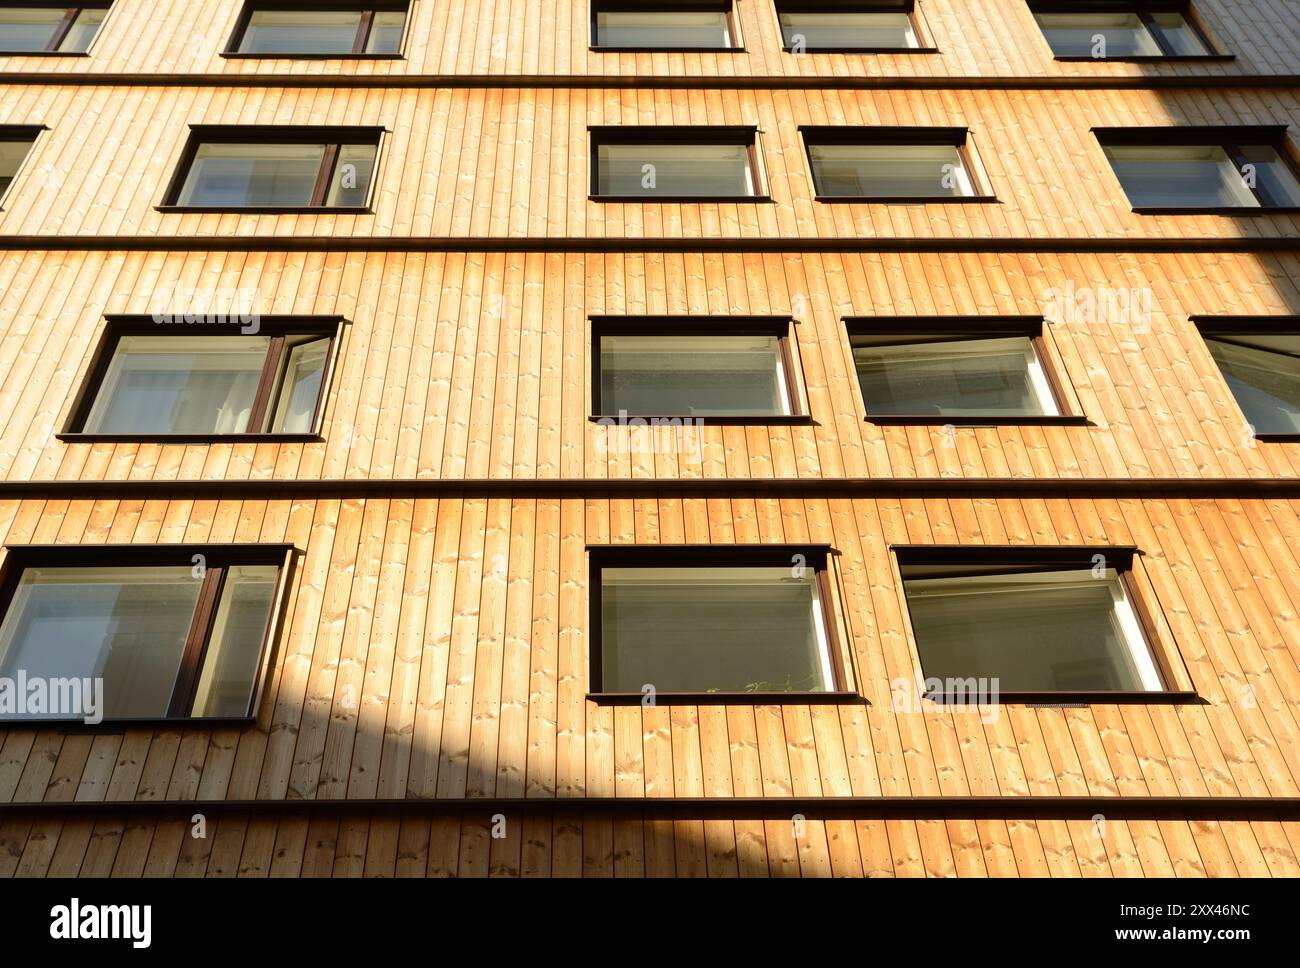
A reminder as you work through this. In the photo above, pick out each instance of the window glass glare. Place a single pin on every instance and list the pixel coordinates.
(890, 171)
(713, 630)
(351, 182)
(697, 375)
(228, 175)
(847, 31)
(663, 29)
(1263, 373)
(386, 32)
(1193, 176)
(230, 665)
(300, 387)
(83, 31)
(674, 170)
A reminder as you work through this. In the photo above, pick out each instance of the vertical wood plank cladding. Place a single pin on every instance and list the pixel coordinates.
(476, 366)
(466, 676)
(466, 162)
(486, 37)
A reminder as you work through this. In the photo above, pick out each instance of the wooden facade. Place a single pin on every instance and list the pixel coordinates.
(426, 711)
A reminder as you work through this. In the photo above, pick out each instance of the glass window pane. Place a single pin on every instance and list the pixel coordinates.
(300, 387)
(699, 375)
(301, 32)
(946, 377)
(1264, 379)
(846, 31)
(12, 155)
(674, 170)
(28, 28)
(1097, 35)
(386, 32)
(1031, 631)
(1194, 176)
(1274, 178)
(1182, 39)
(83, 31)
(889, 171)
(352, 172)
(125, 625)
(712, 630)
(230, 665)
(241, 175)
(660, 29)
(191, 385)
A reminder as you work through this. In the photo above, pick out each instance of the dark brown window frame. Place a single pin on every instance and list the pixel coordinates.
(679, 6)
(816, 556)
(1224, 326)
(1229, 137)
(909, 7)
(898, 136)
(974, 327)
(332, 136)
(70, 13)
(674, 134)
(368, 8)
(278, 327)
(1144, 9)
(1123, 558)
(17, 133)
(217, 559)
(782, 327)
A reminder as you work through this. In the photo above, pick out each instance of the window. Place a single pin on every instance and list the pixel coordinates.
(674, 164)
(1031, 620)
(701, 621)
(173, 632)
(731, 368)
(15, 143)
(49, 28)
(1216, 169)
(207, 380)
(275, 169)
(892, 164)
(848, 26)
(664, 25)
(1260, 361)
(271, 29)
(1133, 30)
(957, 370)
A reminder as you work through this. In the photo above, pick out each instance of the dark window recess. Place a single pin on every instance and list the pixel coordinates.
(664, 25)
(713, 621)
(1203, 169)
(211, 380)
(322, 29)
(15, 144)
(891, 164)
(674, 163)
(958, 370)
(36, 27)
(172, 632)
(693, 367)
(1128, 30)
(275, 169)
(847, 26)
(1033, 620)
(1260, 361)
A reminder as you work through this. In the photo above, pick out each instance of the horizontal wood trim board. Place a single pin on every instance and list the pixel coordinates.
(770, 487)
(661, 81)
(739, 246)
(722, 808)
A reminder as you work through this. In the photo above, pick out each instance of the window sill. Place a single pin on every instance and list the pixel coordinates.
(726, 698)
(79, 438)
(1070, 698)
(861, 50)
(1235, 210)
(926, 420)
(677, 199)
(118, 725)
(1278, 438)
(1149, 58)
(261, 210)
(596, 48)
(239, 55)
(744, 420)
(908, 199)
(45, 53)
